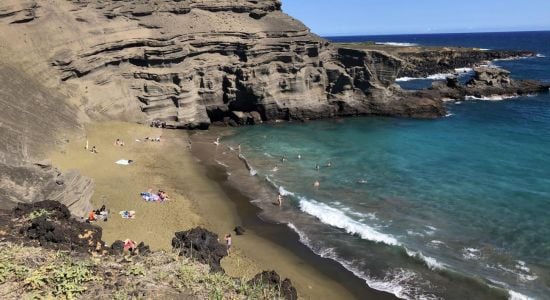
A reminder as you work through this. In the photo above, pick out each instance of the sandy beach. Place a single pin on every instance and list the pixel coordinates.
(197, 198)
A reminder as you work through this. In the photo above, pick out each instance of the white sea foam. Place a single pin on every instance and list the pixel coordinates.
(522, 272)
(222, 164)
(401, 79)
(484, 49)
(253, 172)
(441, 76)
(431, 262)
(522, 266)
(339, 219)
(414, 233)
(399, 283)
(491, 98)
(464, 70)
(397, 44)
(284, 192)
(517, 296)
(540, 55)
(471, 253)
(449, 115)
(436, 243)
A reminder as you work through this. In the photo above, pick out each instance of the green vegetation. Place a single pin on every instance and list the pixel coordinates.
(39, 213)
(37, 273)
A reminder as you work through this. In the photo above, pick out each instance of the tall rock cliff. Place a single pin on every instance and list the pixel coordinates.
(194, 62)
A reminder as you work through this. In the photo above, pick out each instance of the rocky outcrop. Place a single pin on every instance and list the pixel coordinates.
(273, 279)
(34, 119)
(191, 63)
(21, 11)
(49, 224)
(419, 64)
(201, 245)
(30, 182)
(487, 82)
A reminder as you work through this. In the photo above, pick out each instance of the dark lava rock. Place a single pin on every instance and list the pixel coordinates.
(273, 279)
(143, 249)
(239, 230)
(117, 247)
(202, 245)
(50, 223)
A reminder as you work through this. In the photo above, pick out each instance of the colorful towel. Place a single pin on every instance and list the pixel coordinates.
(127, 214)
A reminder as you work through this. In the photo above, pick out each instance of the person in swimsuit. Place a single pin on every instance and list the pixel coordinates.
(280, 199)
(228, 242)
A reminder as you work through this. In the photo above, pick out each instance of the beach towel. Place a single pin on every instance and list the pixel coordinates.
(149, 197)
(127, 214)
(124, 162)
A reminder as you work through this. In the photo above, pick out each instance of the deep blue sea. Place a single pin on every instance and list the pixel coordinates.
(454, 208)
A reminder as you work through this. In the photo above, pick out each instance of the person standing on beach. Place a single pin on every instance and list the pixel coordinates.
(280, 199)
(228, 242)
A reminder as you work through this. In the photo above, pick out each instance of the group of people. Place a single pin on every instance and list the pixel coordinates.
(152, 139)
(159, 196)
(158, 124)
(98, 214)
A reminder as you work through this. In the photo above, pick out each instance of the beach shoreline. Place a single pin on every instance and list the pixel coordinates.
(201, 195)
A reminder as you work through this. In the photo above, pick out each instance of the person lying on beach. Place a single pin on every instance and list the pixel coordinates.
(163, 196)
(102, 213)
(129, 246)
(94, 150)
(92, 217)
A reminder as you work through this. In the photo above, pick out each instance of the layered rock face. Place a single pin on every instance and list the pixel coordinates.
(192, 63)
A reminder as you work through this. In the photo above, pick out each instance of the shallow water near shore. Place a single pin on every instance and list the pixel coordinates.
(455, 208)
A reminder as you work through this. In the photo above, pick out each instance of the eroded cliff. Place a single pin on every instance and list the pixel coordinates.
(192, 63)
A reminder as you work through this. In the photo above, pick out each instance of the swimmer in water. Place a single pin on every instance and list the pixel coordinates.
(299, 156)
(329, 164)
(317, 167)
(316, 184)
(275, 169)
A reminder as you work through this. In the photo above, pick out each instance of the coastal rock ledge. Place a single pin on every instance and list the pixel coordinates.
(191, 63)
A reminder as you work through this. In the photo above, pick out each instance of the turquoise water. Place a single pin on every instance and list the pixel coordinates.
(432, 208)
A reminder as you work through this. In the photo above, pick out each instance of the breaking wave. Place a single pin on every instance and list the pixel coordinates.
(399, 282)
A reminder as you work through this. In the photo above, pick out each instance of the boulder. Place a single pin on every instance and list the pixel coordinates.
(51, 225)
(273, 279)
(240, 117)
(201, 245)
(255, 118)
(239, 230)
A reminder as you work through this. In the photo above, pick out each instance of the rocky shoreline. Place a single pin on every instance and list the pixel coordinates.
(49, 224)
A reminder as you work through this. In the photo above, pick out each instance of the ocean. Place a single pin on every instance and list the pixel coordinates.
(453, 208)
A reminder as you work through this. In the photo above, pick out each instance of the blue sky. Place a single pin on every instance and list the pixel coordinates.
(348, 17)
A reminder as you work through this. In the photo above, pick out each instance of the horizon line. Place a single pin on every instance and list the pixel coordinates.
(426, 33)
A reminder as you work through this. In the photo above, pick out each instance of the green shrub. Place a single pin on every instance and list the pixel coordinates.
(39, 213)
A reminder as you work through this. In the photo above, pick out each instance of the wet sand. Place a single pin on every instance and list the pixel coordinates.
(200, 196)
